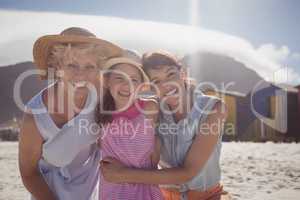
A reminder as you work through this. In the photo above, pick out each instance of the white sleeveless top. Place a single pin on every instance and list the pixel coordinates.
(70, 156)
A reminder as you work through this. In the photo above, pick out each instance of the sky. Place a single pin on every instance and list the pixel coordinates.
(268, 27)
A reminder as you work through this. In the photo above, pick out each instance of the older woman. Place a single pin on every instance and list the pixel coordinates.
(51, 168)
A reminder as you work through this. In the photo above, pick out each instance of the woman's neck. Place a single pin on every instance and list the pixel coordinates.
(74, 99)
(184, 106)
(64, 103)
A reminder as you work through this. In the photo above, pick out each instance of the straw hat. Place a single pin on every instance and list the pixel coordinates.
(73, 35)
(128, 57)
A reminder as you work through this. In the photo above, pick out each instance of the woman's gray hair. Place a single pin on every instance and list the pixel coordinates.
(60, 53)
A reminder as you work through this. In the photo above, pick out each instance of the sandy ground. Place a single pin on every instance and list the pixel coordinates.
(251, 171)
(11, 187)
(262, 171)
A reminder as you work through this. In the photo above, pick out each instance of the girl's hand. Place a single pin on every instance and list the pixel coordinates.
(113, 170)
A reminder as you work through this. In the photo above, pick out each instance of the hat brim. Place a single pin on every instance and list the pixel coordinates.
(124, 60)
(43, 45)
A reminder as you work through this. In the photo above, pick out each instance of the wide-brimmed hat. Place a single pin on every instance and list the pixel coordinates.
(74, 35)
(128, 57)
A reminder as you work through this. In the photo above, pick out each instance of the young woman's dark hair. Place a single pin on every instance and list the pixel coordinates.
(107, 105)
(155, 59)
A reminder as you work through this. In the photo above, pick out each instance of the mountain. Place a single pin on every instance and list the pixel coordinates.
(29, 87)
(218, 69)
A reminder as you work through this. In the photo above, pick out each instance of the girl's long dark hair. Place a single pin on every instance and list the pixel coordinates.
(107, 104)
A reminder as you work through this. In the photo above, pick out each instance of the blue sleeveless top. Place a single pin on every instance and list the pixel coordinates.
(177, 138)
(70, 156)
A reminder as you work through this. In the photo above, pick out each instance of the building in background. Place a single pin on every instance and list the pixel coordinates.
(231, 100)
(269, 113)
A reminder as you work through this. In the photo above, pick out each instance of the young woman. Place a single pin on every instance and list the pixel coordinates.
(51, 130)
(128, 132)
(190, 127)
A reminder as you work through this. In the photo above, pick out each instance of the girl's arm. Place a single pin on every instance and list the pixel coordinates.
(151, 112)
(155, 156)
(30, 150)
(204, 142)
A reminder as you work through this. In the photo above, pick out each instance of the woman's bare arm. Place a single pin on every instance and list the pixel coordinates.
(30, 150)
(204, 142)
(151, 111)
(155, 156)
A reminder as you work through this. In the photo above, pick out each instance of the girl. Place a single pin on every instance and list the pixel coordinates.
(128, 133)
(50, 129)
(190, 134)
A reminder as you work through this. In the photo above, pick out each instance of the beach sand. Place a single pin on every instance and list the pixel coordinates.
(261, 171)
(251, 171)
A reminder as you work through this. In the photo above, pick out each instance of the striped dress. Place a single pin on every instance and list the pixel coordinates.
(130, 139)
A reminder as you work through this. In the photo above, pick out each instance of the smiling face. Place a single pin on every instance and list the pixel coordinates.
(122, 83)
(77, 65)
(169, 82)
(80, 71)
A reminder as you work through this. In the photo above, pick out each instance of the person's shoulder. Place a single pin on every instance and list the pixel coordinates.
(36, 98)
(203, 100)
(33, 102)
(209, 104)
(33, 109)
(36, 101)
(199, 95)
(215, 105)
(29, 125)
